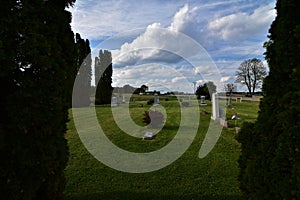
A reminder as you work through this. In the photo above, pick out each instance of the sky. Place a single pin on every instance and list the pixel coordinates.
(172, 45)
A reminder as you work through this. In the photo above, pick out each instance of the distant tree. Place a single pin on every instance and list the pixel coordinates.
(37, 72)
(103, 76)
(84, 71)
(206, 90)
(144, 88)
(140, 90)
(229, 88)
(251, 73)
(270, 157)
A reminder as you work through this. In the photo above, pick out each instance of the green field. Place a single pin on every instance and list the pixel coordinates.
(189, 177)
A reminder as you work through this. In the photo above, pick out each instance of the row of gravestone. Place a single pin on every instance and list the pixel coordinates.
(115, 101)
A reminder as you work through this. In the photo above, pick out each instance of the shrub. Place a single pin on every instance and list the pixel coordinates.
(150, 102)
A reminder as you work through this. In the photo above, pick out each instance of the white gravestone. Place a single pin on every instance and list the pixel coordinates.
(156, 99)
(203, 103)
(114, 101)
(215, 107)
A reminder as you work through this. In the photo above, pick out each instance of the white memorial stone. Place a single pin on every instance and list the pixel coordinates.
(156, 99)
(203, 103)
(215, 107)
(114, 101)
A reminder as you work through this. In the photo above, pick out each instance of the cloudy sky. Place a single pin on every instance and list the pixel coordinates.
(170, 44)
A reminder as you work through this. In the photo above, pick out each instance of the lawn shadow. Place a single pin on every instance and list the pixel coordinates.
(124, 195)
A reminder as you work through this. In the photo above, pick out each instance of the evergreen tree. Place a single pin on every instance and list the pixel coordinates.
(84, 72)
(37, 71)
(103, 76)
(270, 159)
(207, 89)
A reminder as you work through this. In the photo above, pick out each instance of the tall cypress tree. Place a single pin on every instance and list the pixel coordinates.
(83, 71)
(37, 71)
(103, 76)
(270, 159)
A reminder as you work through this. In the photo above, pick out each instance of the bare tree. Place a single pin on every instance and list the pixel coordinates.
(251, 73)
(229, 88)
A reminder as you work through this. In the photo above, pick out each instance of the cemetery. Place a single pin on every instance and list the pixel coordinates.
(215, 176)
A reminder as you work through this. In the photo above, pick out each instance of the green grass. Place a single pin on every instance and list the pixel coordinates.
(189, 177)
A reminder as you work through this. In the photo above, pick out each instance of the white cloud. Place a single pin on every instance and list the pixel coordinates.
(230, 31)
(241, 25)
(177, 79)
(201, 69)
(226, 78)
(153, 43)
(155, 76)
(95, 19)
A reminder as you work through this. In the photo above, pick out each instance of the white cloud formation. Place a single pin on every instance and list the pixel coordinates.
(241, 25)
(225, 79)
(157, 41)
(231, 31)
(155, 76)
(96, 19)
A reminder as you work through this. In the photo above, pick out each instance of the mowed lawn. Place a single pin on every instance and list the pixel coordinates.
(189, 177)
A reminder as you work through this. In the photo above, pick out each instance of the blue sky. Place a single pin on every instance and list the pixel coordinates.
(153, 42)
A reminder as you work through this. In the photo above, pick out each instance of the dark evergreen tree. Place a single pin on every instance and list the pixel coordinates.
(270, 159)
(84, 72)
(36, 76)
(206, 90)
(103, 76)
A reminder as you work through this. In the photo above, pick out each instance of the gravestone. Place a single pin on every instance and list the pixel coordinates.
(123, 99)
(203, 103)
(156, 99)
(229, 102)
(114, 101)
(215, 107)
(148, 136)
(239, 99)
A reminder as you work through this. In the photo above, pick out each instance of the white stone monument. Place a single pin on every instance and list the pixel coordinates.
(215, 107)
(203, 103)
(114, 101)
(123, 99)
(156, 99)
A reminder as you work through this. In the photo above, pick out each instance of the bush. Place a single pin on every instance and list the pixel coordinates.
(150, 102)
(154, 119)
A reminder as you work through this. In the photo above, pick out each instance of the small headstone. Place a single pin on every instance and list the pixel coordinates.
(238, 99)
(229, 102)
(203, 103)
(114, 101)
(148, 136)
(156, 99)
(123, 99)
